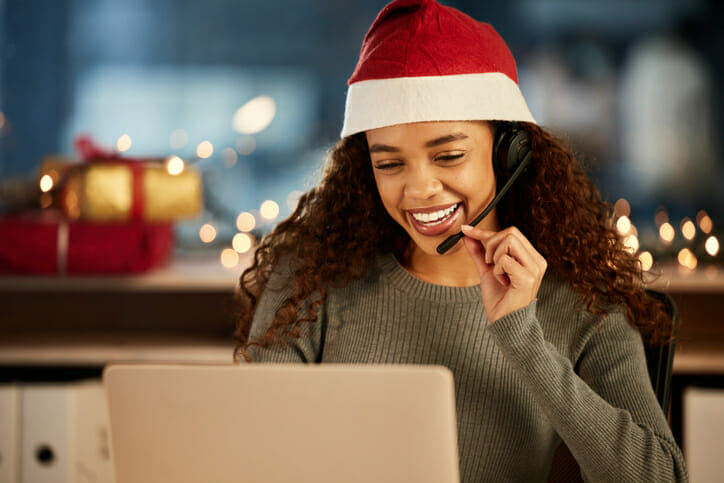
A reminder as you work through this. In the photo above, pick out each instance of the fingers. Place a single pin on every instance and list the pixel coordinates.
(509, 242)
(509, 272)
(509, 253)
(510, 268)
(477, 253)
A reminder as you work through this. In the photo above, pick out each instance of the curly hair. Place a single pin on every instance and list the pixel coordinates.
(339, 226)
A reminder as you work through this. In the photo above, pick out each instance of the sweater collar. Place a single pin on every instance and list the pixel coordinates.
(403, 280)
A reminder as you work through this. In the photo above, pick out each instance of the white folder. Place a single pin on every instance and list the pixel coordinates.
(64, 434)
(45, 450)
(9, 432)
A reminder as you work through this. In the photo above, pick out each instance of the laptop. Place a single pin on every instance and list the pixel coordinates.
(273, 423)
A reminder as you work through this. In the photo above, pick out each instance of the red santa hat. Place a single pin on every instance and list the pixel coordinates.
(421, 61)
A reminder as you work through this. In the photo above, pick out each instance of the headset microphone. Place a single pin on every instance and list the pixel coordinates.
(511, 152)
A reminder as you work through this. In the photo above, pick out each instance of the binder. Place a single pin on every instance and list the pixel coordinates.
(91, 441)
(9, 432)
(45, 449)
(64, 434)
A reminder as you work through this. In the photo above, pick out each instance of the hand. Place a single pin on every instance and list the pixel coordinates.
(510, 269)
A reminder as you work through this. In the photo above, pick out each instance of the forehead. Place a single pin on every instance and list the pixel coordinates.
(419, 133)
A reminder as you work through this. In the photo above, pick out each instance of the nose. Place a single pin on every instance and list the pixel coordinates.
(422, 183)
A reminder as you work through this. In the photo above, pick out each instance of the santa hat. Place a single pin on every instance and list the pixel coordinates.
(421, 61)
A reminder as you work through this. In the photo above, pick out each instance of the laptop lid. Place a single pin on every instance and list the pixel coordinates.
(269, 423)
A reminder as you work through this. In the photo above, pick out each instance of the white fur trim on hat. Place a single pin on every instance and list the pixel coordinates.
(385, 102)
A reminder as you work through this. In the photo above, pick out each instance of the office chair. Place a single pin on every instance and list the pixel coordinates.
(659, 361)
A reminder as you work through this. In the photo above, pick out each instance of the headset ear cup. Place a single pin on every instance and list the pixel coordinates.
(509, 149)
(500, 153)
(519, 148)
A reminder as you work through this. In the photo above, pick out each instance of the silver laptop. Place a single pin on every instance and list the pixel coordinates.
(267, 423)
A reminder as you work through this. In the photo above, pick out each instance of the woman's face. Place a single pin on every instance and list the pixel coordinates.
(434, 177)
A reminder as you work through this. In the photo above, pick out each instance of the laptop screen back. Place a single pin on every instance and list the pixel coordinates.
(267, 423)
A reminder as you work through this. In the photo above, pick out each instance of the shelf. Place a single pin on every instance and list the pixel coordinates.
(101, 350)
(699, 358)
(202, 272)
(675, 278)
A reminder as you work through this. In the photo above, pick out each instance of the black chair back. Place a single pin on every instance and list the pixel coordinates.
(660, 360)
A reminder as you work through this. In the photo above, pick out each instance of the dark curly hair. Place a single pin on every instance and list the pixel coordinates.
(341, 225)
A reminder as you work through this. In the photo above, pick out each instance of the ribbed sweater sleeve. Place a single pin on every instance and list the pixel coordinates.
(305, 348)
(615, 430)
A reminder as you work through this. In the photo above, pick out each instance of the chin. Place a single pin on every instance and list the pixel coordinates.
(429, 247)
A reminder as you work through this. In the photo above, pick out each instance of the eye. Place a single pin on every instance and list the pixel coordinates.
(449, 158)
(387, 165)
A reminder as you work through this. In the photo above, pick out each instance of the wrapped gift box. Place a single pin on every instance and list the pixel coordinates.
(47, 243)
(122, 190)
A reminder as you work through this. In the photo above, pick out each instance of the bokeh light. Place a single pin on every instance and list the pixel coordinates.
(229, 157)
(204, 150)
(242, 242)
(229, 258)
(124, 143)
(207, 233)
(661, 217)
(688, 229)
(46, 183)
(623, 225)
(712, 246)
(687, 258)
(647, 261)
(666, 232)
(631, 244)
(245, 222)
(175, 165)
(622, 208)
(255, 115)
(704, 222)
(269, 210)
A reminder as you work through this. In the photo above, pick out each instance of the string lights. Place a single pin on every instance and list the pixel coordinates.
(689, 246)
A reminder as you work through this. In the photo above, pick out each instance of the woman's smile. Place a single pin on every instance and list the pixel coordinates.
(435, 221)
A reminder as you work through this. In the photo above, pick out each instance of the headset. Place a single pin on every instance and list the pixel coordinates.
(512, 154)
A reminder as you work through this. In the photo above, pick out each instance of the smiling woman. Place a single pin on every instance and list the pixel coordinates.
(539, 311)
(432, 178)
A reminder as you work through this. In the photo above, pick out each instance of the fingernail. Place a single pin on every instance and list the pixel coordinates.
(466, 228)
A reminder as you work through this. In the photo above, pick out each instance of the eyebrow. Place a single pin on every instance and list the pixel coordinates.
(384, 148)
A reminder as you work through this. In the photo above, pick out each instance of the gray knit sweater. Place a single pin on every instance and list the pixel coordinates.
(536, 376)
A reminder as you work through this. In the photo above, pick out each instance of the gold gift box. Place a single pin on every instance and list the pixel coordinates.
(112, 191)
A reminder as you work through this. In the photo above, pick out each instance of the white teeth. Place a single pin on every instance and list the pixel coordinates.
(434, 217)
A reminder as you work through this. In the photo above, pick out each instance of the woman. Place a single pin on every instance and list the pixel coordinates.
(538, 311)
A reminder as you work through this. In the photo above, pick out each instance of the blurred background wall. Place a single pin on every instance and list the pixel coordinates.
(252, 93)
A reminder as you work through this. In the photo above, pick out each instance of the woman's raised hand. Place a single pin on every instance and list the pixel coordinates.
(510, 268)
